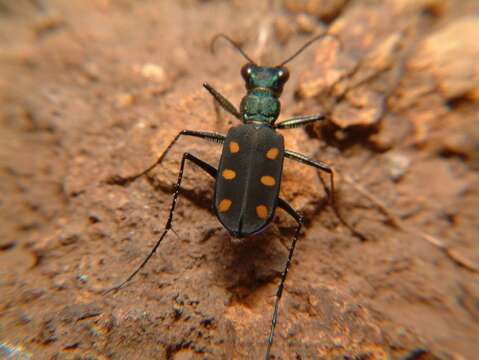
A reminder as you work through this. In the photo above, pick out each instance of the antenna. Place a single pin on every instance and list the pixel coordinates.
(233, 43)
(300, 50)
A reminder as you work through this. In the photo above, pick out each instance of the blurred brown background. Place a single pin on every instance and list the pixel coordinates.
(91, 89)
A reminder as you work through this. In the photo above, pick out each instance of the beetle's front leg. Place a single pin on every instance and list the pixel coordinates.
(298, 121)
(224, 102)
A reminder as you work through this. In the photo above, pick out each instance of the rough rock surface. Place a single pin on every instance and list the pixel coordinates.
(91, 90)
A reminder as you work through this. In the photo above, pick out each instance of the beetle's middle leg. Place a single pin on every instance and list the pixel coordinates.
(279, 291)
(328, 169)
(212, 136)
(200, 163)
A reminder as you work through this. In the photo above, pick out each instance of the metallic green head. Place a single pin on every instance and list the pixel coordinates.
(264, 85)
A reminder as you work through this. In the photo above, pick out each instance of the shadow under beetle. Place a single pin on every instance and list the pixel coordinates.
(248, 177)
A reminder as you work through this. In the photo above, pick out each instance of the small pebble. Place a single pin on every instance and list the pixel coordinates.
(397, 165)
(124, 100)
(153, 72)
(306, 23)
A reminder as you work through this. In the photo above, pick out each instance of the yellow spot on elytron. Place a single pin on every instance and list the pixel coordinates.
(224, 205)
(262, 211)
(272, 153)
(268, 180)
(229, 174)
(234, 147)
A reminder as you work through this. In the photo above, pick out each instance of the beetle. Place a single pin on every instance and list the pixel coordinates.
(248, 177)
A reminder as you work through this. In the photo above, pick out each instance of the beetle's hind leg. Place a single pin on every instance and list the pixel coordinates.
(200, 163)
(279, 291)
(331, 193)
(211, 136)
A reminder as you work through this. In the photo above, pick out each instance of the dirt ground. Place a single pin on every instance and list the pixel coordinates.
(95, 89)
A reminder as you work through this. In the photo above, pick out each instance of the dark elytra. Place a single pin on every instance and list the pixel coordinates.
(248, 177)
(257, 178)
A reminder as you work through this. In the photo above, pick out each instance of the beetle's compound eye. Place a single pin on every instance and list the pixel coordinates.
(246, 71)
(283, 74)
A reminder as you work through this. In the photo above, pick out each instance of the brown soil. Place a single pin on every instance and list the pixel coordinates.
(93, 89)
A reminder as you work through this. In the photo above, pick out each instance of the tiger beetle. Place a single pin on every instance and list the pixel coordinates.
(248, 177)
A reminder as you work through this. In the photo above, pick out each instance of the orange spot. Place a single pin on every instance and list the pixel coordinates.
(272, 153)
(262, 211)
(224, 205)
(229, 174)
(268, 180)
(234, 147)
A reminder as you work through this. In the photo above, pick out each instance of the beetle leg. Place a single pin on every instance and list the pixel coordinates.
(224, 102)
(279, 291)
(219, 116)
(203, 165)
(298, 121)
(328, 169)
(215, 137)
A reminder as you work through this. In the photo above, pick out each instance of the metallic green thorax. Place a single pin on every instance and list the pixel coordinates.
(264, 85)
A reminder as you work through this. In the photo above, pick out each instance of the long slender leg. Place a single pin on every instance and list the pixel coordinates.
(218, 115)
(216, 137)
(328, 169)
(203, 165)
(298, 121)
(279, 291)
(224, 102)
